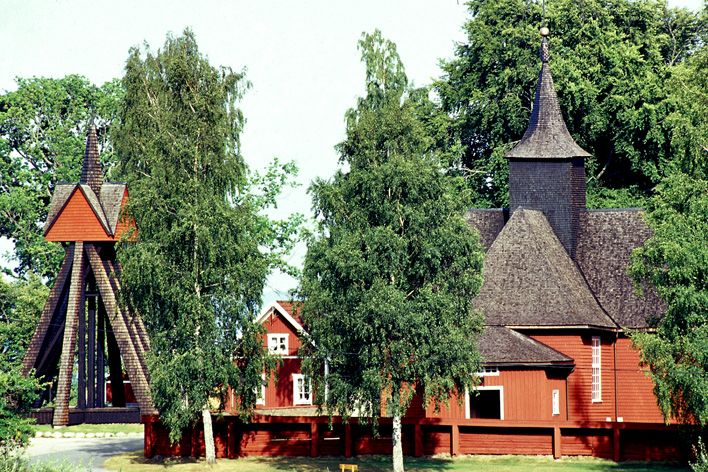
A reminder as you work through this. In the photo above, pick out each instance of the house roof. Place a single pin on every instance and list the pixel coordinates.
(500, 345)
(605, 243)
(293, 308)
(489, 222)
(547, 136)
(279, 306)
(530, 281)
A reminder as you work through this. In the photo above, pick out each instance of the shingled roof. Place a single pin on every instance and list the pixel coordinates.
(489, 222)
(530, 281)
(105, 199)
(503, 346)
(547, 136)
(91, 173)
(605, 244)
(111, 200)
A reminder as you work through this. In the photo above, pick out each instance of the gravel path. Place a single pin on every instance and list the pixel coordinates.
(89, 452)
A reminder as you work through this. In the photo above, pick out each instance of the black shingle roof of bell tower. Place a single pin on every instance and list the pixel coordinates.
(91, 173)
(547, 136)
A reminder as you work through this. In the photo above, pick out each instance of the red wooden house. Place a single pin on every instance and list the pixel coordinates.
(288, 388)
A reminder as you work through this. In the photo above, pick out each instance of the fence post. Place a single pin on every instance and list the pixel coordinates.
(347, 440)
(455, 440)
(230, 439)
(314, 439)
(418, 438)
(557, 453)
(148, 439)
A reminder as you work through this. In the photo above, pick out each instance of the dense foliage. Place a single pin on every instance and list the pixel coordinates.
(390, 274)
(197, 270)
(42, 137)
(20, 306)
(611, 61)
(675, 261)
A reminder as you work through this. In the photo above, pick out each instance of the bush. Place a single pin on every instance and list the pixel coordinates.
(16, 396)
(701, 464)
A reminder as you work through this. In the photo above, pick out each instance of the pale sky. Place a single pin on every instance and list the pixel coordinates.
(301, 57)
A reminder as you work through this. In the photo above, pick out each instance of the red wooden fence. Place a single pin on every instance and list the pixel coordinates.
(313, 436)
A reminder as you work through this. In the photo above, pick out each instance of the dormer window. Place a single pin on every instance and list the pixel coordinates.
(278, 343)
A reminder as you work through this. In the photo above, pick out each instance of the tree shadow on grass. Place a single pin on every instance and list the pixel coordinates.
(365, 463)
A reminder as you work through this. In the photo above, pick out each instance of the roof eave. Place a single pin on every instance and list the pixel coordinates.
(581, 326)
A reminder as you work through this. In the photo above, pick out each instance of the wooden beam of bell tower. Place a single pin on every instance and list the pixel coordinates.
(132, 357)
(74, 310)
(30, 359)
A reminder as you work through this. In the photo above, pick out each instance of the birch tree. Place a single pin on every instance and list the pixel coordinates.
(390, 273)
(202, 252)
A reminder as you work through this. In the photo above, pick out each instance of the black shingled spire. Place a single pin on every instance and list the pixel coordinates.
(547, 136)
(91, 171)
(547, 168)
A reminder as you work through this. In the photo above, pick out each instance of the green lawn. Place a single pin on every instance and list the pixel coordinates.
(134, 462)
(93, 428)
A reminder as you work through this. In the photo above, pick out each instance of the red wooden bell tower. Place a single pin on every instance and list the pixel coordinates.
(82, 316)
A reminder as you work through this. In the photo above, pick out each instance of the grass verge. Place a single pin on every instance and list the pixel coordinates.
(135, 462)
(93, 428)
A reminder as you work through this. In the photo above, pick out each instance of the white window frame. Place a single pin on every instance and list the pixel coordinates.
(488, 372)
(275, 346)
(596, 387)
(307, 386)
(260, 399)
(555, 402)
(501, 399)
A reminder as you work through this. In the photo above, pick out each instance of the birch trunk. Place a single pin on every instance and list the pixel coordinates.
(210, 452)
(397, 445)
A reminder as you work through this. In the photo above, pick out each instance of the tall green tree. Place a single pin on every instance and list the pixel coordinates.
(675, 261)
(391, 271)
(611, 62)
(197, 270)
(42, 136)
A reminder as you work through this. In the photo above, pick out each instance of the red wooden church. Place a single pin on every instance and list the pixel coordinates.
(560, 375)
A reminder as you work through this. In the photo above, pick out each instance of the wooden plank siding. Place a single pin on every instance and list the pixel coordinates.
(528, 394)
(579, 395)
(486, 440)
(636, 401)
(276, 323)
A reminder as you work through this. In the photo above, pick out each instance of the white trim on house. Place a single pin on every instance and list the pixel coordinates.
(596, 384)
(488, 372)
(261, 399)
(303, 397)
(276, 306)
(279, 343)
(555, 402)
(494, 387)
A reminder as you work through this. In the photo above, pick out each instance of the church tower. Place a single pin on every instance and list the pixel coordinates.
(547, 167)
